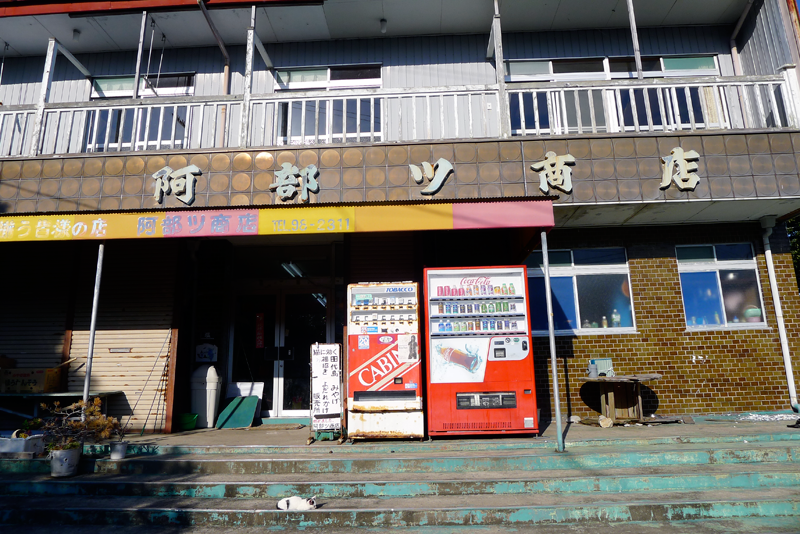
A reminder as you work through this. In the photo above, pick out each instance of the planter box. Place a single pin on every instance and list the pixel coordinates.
(34, 444)
(30, 380)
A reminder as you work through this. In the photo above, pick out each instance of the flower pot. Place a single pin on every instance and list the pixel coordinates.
(64, 463)
(118, 449)
(34, 444)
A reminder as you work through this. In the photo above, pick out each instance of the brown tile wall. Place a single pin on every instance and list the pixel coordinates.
(739, 371)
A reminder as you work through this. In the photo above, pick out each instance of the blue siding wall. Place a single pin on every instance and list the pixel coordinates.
(763, 42)
(407, 62)
(652, 41)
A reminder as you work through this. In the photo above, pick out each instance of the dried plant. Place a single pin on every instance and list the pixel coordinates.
(70, 426)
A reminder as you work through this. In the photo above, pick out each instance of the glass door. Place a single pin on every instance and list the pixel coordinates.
(304, 323)
(273, 334)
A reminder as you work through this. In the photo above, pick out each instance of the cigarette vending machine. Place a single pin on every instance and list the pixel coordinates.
(384, 378)
(479, 356)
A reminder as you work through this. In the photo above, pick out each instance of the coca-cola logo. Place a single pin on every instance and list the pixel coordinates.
(480, 281)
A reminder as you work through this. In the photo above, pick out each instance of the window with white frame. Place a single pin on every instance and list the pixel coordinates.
(315, 119)
(165, 84)
(613, 108)
(336, 77)
(609, 68)
(720, 286)
(590, 290)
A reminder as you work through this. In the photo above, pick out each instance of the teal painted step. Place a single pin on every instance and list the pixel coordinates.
(389, 447)
(441, 464)
(105, 512)
(636, 484)
(611, 457)
(750, 525)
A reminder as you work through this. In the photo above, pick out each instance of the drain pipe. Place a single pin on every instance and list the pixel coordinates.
(767, 223)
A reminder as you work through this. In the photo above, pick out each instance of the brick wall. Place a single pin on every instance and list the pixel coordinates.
(738, 370)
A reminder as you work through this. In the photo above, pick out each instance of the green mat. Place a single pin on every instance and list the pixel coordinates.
(239, 413)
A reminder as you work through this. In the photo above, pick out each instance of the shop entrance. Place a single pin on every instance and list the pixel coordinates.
(272, 336)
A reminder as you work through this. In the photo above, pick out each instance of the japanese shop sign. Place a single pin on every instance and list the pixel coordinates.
(684, 163)
(326, 387)
(289, 178)
(437, 174)
(554, 172)
(180, 182)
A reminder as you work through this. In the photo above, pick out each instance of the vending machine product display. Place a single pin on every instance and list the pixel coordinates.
(384, 377)
(479, 357)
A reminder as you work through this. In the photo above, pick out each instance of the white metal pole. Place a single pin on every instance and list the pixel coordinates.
(767, 223)
(98, 275)
(551, 329)
(44, 96)
(142, 30)
(636, 54)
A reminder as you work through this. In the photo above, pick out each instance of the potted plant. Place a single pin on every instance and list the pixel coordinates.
(69, 427)
(23, 439)
(119, 447)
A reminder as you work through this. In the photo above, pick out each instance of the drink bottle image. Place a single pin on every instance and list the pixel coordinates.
(605, 322)
(462, 359)
(616, 319)
(484, 308)
(511, 289)
(490, 307)
(504, 290)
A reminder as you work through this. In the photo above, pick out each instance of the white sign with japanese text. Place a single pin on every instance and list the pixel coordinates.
(326, 386)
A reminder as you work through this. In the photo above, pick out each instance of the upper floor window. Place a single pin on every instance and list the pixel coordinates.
(720, 286)
(338, 77)
(171, 84)
(590, 290)
(609, 68)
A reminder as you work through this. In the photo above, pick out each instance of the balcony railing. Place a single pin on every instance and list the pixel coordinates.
(378, 115)
(651, 106)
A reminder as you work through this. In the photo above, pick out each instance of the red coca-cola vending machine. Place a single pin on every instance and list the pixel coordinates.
(479, 357)
(384, 376)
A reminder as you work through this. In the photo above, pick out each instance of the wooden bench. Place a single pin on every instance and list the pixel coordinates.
(65, 398)
(621, 395)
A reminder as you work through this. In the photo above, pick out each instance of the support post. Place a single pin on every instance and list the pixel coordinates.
(551, 329)
(244, 127)
(139, 58)
(44, 95)
(500, 71)
(72, 59)
(635, 37)
(92, 326)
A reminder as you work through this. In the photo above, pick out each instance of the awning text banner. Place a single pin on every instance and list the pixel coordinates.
(278, 221)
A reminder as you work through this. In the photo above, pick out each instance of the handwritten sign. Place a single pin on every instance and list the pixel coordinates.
(326, 387)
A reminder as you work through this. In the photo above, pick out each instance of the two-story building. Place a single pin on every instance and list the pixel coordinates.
(241, 162)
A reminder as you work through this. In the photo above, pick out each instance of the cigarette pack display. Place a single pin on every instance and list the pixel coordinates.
(384, 377)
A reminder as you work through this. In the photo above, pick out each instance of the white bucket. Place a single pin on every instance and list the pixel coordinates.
(65, 463)
(118, 449)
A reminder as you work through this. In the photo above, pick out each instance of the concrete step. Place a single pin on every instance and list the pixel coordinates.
(152, 446)
(507, 510)
(751, 525)
(632, 481)
(424, 462)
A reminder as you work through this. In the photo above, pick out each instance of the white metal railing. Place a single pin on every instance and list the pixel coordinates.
(322, 117)
(687, 104)
(16, 128)
(152, 124)
(379, 115)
